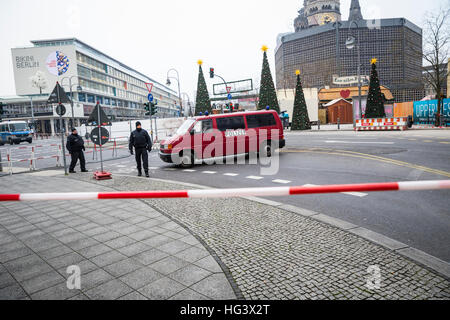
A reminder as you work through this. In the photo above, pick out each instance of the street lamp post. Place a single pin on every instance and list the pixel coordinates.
(71, 94)
(179, 86)
(350, 44)
(189, 104)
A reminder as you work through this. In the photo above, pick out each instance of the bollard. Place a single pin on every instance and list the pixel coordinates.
(1, 164)
(32, 162)
(8, 155)
(339, 124)
(318, 125)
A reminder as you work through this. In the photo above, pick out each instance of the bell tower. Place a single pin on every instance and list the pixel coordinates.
(321, 12)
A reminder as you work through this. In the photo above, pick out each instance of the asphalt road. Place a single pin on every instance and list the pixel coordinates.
(419, 219)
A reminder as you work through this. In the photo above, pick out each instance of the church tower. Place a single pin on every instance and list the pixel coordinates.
(320, 12)
(355, 11)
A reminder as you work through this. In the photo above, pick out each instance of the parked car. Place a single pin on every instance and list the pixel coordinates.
(15, 132)
(225, 135)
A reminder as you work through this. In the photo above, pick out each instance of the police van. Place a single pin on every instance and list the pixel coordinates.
(15, 132)
(226, 135)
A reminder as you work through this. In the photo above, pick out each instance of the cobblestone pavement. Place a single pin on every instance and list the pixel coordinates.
(125, 249)
(275, 254)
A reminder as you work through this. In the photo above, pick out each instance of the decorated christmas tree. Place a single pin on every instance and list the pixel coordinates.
(203, 103)
(267, 93)
(300, 120)
(375, 100)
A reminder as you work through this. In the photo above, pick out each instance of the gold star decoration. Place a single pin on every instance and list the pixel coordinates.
(374, 61)
(200, 62)
(297, 72)
(264, 48)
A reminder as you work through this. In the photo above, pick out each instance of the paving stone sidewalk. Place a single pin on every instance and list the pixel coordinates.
(125, 249)
(276, 254)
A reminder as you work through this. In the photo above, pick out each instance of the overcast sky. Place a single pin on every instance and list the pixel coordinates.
(153, 36)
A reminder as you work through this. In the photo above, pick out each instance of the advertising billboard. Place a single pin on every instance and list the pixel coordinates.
(39, 68)
(425, 111)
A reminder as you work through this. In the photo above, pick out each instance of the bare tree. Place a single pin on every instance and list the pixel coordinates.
(436, 51)
(39, 81)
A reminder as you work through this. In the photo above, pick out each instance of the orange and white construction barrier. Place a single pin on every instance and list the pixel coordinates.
(382, 124)
(232, 193)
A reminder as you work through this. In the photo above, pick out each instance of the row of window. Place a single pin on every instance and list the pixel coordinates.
(238, 122)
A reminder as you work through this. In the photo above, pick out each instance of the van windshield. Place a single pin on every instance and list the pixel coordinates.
(185, 127)
(18, 127)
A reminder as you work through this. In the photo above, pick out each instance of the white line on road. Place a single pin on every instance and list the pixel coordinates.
(254, 178)
(170, 169)
(281, 181)
(355, 194)
(359, 142)
(209, 172)
(189, 170)
(231, 174)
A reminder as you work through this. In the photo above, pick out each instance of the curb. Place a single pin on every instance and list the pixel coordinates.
(417, 256)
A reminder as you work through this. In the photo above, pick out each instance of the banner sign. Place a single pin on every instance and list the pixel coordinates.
(350, 80)
(425, 111)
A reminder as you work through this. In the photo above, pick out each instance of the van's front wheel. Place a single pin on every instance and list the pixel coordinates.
(187, 159)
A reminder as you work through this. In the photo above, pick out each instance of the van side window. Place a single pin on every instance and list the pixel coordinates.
(230, 123)
(204, 126)
(261, 120)
(3, 128)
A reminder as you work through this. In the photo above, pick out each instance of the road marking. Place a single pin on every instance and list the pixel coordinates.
(153, 168)
(445, 142)
(281, 181)
(428, 141)
(170, 169)
(121, 166)
(412, 139)
(355, 194)
(346, 153)
(209, 172)
(231, 174)
(359, 142)
(189, 170)
(254, 178)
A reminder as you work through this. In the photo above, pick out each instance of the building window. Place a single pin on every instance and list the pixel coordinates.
(81, 97)
(114, 102)
(90, 98)
(107, 101)
(100, 99)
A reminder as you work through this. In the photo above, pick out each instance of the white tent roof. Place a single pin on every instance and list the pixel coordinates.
(335, 101)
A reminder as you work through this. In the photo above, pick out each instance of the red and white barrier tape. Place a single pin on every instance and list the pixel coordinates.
(232, 193)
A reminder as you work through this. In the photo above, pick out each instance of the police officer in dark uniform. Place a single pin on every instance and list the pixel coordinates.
(75, 145)
(142, 143)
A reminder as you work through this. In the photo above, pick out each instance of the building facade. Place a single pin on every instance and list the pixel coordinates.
(318, 48)
(91, 75)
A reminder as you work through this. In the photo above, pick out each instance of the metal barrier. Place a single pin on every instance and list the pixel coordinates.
(232, 193)
(382, 124)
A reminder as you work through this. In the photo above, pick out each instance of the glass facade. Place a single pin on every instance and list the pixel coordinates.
(319, 57)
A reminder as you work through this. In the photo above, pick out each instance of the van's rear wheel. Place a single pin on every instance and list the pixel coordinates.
(10, 141)
(187, 159)
(266, 149)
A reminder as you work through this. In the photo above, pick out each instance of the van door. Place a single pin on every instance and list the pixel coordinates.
(232, 128)
(204, 139)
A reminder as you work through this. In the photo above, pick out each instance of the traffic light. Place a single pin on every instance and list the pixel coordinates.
(147, 108)
(231, 107)
(211, 73)
(154, 108)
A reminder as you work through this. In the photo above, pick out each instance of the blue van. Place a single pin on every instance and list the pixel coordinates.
(15, 132)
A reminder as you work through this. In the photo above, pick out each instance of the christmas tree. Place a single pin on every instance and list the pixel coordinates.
(375, 100)
(300, 120)
(203, 103)
(267, 93)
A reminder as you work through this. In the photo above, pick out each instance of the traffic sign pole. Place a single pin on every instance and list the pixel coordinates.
(100, 138)
(62, 135)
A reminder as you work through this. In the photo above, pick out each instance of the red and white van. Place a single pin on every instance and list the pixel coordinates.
(226, 135)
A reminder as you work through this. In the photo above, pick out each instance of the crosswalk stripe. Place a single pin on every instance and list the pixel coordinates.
(281, 181)
(209, 172)
(254, 178)
(189, 170)
(231, 174)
